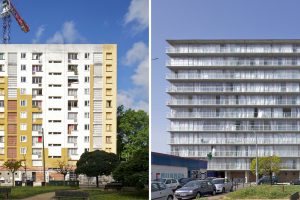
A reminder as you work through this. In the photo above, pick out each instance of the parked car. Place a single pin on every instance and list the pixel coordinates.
(222, 185)
(266, 180)
(295, 182)
(159, 191)
(210, 178)
(169, 182)
(195, 189)
(183, 181)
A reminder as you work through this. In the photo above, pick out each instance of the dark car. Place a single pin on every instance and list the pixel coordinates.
(267, 180)
(195, 189)
(295, 182)
(210, 178)
(183, 181)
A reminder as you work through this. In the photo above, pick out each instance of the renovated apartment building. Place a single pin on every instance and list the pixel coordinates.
(226, 95)
(64, 93)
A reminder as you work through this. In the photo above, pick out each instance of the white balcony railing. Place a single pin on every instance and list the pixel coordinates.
(233, 89)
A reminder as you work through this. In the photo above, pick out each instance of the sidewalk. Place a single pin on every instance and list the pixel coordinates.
(45, 196)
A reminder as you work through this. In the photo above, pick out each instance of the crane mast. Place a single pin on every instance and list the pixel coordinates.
(9, 9)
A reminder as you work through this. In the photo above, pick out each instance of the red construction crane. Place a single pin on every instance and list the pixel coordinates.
(9, 9)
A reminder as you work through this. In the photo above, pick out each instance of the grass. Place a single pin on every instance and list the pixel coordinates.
(24, 192)
(114, 195)
(264, 192)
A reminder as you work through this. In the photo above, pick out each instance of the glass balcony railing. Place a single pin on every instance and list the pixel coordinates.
(232, 62)
(230, 127)
(232, 89)
(239, 154)
(233, 115)
(231, 76)
(244, 166)
(234, 141)
(204, 102)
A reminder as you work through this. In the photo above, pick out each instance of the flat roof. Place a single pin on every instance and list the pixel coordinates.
(233, 41)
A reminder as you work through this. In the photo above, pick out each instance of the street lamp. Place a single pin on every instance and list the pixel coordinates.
(256, 163)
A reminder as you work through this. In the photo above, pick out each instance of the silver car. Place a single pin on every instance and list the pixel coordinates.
(159, 191)
(222, 185)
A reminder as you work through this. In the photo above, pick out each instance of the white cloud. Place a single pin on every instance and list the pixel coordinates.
(137, 97)
(38, 34)
(138, 13)
(68, 34)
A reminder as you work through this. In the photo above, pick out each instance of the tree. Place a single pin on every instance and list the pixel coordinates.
(97, 163)
(133, 131)
(63, 168)
(13, 166)
(134, 172)
(266, 166)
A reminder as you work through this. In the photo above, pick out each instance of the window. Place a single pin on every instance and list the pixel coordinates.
(86, 127)
(23, 67)
(108, 104)
(108, 127)
(1, 139)
(87, 55)
(54, 133)
(86, 149)
(36, 80)
(23, 127)
(108, 56)
(37, 92)
(23, 150)
(108, 80)
(72, 139)
(86, 103)
(36, 68)
(72, 92)
(23, 103)
(87, 115)
(108, 115)
(1, 103)
(36, 56)
(23, 90)
(23, 138)
(23, 114)
(108, 149)
(108, 91)
(72, 56)
(1, 68)
(1, 56)
(109, 68)
(36, 127)
(108, 139)
(87, 91)
(86, 138)
(86, 79)
(86, 68)
(23, 55)
(23, 79)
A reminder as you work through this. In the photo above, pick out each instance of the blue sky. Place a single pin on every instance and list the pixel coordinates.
(124, 22)
(210, 19)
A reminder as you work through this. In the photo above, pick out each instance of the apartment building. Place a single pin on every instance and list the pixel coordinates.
(226, 95)
(64, 93)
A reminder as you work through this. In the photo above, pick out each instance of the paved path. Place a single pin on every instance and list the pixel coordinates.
(45, 196)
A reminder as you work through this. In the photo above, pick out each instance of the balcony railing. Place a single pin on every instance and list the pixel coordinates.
(233, 141)
(233, 89)
(230, 127)
(244, 166)
(231, 76)
(237, 114)
(233, 102)
(249, 154)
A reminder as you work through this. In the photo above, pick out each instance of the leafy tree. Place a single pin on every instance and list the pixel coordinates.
(96, 163)
(133, 131)
(134, 172)
(266, 166)
(13, 166)
(63, 168)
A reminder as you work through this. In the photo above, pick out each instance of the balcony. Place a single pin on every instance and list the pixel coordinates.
(234, 115)
(234, 128)
(72, 70)
(37, 144)
(235, 141)
(233, 102)
(235, 154)
(36, 156)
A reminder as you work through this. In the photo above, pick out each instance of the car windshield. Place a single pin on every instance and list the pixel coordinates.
(218, 181)
(192, 184)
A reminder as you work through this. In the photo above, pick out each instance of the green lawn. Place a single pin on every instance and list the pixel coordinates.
(264, 192)
(114, 195)
(23, 192)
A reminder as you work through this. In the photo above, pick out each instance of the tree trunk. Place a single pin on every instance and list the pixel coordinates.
(97, 181)
(65, 179)
(13, 179)
(271, 178)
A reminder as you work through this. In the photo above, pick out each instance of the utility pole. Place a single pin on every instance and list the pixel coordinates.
(256, 163)
(44, 165)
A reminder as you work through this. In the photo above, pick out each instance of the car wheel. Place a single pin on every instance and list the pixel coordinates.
(198, 195)
(213, 192)
(170, 197)
(223, 190)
